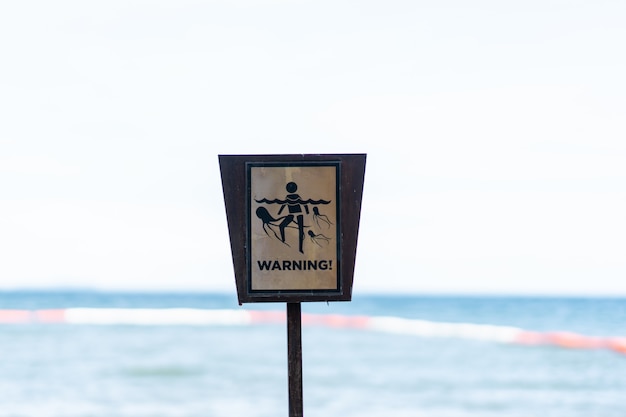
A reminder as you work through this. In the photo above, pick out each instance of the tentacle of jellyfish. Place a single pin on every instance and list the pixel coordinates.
(270, 223)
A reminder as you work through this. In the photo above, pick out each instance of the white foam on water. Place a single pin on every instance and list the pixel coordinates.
(166, 316)
(423, 328)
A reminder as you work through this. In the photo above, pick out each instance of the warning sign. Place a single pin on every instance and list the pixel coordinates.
(293, 222)
(294, 231)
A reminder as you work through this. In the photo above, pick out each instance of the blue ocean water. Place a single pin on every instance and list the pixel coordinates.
(61, 370)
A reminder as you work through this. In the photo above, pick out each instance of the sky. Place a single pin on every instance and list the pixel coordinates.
(494, 131)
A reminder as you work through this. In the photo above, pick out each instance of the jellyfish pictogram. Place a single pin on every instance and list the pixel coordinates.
(318, 238)
(318, 217)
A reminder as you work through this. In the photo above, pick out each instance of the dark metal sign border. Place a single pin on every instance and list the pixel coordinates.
(289, 164)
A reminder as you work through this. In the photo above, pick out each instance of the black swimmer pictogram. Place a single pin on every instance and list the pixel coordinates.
(296, 208)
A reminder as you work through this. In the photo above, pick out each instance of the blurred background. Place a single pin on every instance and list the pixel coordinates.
(494, 134)
(494, 195)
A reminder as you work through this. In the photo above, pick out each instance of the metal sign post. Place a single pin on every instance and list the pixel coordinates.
(293, 222)
(294, 358)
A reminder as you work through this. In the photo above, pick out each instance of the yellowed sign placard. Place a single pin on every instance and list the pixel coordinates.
(293, 233)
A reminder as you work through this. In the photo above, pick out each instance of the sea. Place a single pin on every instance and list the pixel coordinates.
(56, 369)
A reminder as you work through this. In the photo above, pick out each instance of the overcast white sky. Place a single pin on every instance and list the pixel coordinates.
(495, 134)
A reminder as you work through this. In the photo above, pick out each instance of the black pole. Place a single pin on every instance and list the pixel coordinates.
(294, 358)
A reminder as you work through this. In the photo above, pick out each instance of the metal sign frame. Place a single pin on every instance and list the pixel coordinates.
(282, 221)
